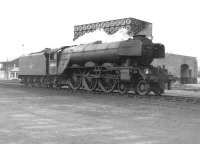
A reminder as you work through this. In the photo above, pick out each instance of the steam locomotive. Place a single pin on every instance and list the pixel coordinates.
(115, 66)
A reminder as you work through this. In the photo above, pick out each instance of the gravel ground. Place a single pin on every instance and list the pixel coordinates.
(44, 116)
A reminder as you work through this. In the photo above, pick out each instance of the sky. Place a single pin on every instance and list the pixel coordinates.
(32, 25)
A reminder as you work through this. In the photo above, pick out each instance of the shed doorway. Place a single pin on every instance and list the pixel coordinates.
(186, 74)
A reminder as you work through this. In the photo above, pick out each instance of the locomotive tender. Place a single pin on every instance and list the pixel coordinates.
(121, 65)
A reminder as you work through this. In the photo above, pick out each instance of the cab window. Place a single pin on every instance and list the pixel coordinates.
(52, 56)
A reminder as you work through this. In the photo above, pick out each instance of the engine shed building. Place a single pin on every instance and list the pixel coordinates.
(184, 68)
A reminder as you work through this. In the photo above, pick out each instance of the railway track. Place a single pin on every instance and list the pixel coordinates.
(7, 82)
(169, 96)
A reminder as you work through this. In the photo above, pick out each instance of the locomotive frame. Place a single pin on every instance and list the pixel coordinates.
(106, 79)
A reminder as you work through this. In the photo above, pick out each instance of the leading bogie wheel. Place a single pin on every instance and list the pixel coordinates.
(142, 88)
(122, 87)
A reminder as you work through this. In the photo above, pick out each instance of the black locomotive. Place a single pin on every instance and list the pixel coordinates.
(120, 66)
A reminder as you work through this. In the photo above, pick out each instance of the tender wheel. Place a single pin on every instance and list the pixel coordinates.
(43, 82)
(107, 83)
(55, 84)
(122, 87)
(38, 82)
(25, 82)
(75, 80)
(46, 82)
(35, 82)
(29, 82)
(91, 81)
(142, 87)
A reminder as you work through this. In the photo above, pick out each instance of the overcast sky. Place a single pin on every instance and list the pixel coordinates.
(38, 24)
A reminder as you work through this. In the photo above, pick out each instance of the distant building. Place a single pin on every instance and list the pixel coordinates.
(183, 67)
(9, 69)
